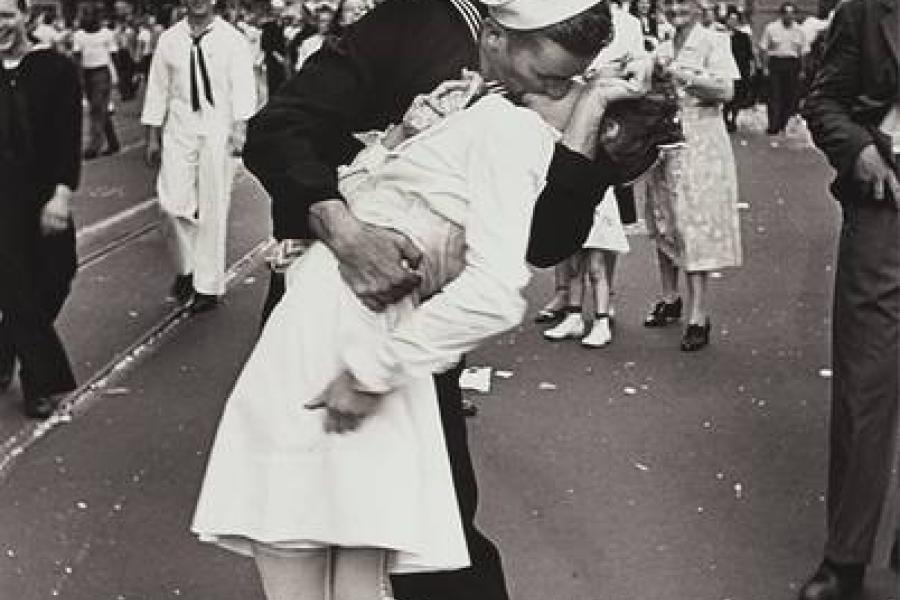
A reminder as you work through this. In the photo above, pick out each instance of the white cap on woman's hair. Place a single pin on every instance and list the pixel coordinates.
(526, 15)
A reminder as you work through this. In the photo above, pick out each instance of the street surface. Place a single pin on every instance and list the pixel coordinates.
(635, 472)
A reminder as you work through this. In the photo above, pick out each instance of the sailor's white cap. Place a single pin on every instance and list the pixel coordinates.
(527, 15)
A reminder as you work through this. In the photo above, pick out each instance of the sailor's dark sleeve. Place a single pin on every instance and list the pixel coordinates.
(296, 141)
(564, 212)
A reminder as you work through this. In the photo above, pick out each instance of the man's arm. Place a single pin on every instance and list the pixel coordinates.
(296, 142)
(828, 108)
(829, 111)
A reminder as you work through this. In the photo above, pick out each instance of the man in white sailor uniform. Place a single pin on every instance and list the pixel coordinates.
(200, 94)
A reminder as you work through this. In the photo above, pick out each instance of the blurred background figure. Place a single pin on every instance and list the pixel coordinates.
(274, 48)
(40, 143)
(351, 11)
(44, 33)
(147, 38)
(325, 25)
(94, 47)
(126, 43)
(647, 12)
(742, 51)
(781, 48)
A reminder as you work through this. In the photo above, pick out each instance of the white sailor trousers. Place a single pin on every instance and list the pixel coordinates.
(194, 189)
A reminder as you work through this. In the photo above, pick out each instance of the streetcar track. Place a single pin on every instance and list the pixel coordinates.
(117, 243)
(92, 390)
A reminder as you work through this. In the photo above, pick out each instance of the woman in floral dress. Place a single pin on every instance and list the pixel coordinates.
(692, 193)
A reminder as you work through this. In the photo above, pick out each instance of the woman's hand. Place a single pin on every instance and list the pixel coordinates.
(56, 213)
(345, 406)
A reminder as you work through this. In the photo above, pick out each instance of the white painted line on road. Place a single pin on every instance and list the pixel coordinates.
(114, 220)
(92, 390)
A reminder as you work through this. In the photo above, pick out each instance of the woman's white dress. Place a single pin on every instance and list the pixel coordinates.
(692, 192)
(463, 191)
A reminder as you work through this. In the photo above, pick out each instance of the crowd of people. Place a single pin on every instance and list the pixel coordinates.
(497, 141)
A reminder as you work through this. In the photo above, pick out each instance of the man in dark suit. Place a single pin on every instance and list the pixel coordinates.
(853, 114)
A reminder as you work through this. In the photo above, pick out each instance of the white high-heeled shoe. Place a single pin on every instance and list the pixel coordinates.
(600, 334)
(572, 326)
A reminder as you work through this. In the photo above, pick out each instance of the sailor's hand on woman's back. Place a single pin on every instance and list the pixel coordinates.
(378, 264)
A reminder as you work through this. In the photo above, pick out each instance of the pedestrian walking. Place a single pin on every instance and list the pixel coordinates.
(147, 39)
(745, 59)
(294, 146)
(199, 96)
(40, 146)
(781, 48)
(691, 195)
(94, 47)
(462, 191)
(853, 112)
(126, 41)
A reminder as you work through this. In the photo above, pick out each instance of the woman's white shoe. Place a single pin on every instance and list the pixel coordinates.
(600, 334)
(570, 327)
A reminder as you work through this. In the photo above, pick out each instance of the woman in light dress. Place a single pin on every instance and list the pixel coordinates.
(329, 502)
(691, 195)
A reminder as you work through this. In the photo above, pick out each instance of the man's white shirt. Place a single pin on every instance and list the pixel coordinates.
(627, 41)
(230, 67)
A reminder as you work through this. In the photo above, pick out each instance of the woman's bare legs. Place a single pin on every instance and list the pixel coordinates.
(572, 324)
(697, 285)
(323, 574)
(293, 574)
(360, 574)
(668, 275)
(597, 274)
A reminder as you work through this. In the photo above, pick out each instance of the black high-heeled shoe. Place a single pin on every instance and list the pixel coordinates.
(695, 337)
(664, 313)
(550, 315)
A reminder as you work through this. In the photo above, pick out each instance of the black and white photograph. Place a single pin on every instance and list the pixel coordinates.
(449, 300)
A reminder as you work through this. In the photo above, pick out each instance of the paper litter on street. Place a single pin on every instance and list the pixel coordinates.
(477, 379)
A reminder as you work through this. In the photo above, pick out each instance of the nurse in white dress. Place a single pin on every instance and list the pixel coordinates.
(311, 505)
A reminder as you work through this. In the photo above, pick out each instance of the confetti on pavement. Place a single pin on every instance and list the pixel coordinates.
(547, 386)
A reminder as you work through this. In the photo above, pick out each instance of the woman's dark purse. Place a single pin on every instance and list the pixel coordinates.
(633, 129)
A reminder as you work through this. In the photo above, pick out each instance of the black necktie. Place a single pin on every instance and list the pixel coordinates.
(207, 88)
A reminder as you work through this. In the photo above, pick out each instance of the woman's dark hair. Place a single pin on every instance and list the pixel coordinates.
(22, 5)
(633, 9)
(90, 19)
(585, 34)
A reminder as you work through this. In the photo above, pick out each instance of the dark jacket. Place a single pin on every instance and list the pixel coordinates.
(366, 81)
(40, 147)
(855, 87)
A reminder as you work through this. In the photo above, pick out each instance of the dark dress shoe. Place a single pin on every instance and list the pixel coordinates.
(469, 408)
(664, 313)
(41, 407)
(111, 150)
(550, 315)
(203, 303)
(90, 154)
(833, 582)
(695, 337)
(182, 289)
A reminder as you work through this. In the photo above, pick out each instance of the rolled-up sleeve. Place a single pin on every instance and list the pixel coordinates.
(506, 175)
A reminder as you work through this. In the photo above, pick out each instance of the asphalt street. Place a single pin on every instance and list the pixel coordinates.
(634, 472)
